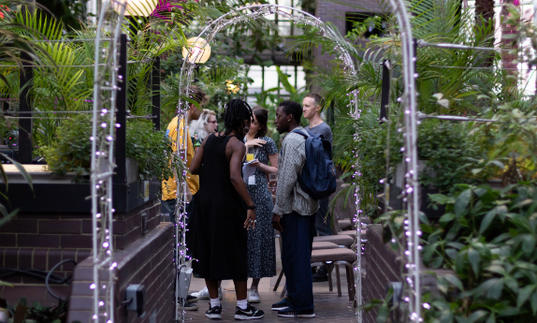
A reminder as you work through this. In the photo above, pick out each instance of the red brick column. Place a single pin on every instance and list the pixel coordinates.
(510, 45)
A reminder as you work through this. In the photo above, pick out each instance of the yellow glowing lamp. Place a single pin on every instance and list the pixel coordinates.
(197, 50)
(136, 8)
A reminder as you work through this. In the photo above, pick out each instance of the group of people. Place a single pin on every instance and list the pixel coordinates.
(232, 214)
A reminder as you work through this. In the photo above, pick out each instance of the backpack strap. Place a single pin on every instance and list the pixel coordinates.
(301, 132)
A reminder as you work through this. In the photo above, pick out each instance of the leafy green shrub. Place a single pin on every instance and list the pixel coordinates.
(488, 238)
(39, 313)
(150, 148)
(448, 150)
(72, 149)
(509, 145)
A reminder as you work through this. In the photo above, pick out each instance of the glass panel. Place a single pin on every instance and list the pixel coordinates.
(284, 28)
(271, 79)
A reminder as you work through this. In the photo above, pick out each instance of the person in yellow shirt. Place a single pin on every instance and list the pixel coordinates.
(169, 186)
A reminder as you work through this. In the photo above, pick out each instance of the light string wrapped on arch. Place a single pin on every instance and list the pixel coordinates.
(408, 99)
(105, 88)
(243, 14)
(411, 188)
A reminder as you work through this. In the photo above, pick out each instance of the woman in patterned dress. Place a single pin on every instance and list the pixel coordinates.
(261, 249)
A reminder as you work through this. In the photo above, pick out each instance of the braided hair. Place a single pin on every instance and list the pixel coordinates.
(236, 111)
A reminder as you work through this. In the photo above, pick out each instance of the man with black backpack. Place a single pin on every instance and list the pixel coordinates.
(311, 107)
(294, 212)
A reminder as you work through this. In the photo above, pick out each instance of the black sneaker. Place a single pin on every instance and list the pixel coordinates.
(190, 298)
(281, 305)
(214, 313)
(188, 305)
(289, 312)
(250, 313)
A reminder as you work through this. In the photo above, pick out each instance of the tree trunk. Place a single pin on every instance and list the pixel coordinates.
(484, 10)
(484, 18)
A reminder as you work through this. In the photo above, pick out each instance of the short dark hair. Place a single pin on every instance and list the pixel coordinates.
(196, 93)
(292, 108)
(262, 116)
(317, 98)
(236, 111)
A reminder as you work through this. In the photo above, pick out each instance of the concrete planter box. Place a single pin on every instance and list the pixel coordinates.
(66, 194)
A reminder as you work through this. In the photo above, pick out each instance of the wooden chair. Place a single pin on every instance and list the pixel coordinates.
(333, 255)
(339, 239)
(333, 258)
(315, 246)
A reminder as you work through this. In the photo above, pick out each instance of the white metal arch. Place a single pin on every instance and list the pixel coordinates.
(408, 101)
(105, 89)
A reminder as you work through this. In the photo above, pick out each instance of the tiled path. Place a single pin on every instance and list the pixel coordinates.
(328, 306)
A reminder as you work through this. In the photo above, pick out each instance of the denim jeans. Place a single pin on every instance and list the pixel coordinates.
(297, 237)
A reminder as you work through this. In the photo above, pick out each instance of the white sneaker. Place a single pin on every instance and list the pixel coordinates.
(253, 296)
(204, 293)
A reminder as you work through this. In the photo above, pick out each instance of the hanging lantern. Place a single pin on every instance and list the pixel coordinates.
(136, 8)
(197, 50)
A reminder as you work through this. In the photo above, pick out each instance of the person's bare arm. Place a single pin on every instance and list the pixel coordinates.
(265, 168)
(198, 157)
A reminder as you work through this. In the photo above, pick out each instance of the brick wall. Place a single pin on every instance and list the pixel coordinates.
(40, 241)
(147, 261)
(383, 266)
(334, 11)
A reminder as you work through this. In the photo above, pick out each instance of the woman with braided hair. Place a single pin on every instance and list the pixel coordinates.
(224, 212)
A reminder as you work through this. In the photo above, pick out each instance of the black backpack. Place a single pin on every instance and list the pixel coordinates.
(318, 176)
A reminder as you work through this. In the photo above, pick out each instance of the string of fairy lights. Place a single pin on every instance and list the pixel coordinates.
(410, 152)
(104, 126)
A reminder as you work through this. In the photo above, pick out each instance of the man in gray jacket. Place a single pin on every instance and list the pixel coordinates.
(294, 212)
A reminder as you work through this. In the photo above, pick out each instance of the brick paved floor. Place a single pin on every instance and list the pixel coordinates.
(328, 306)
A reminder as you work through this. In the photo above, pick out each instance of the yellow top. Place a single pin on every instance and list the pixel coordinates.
(169, 186)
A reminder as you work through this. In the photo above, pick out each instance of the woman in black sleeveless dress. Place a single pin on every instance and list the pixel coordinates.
(223, 211)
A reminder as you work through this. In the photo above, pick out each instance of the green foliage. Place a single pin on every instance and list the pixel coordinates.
(39, 313)
(72, 149)
(13, 43)
(63, 79)
(223, 78)
(372, 150)
(488, 238)
(150, 148)
(70, 12)
(510, 144)
(447, 149)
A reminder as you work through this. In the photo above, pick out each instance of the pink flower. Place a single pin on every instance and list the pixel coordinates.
(516, 2)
